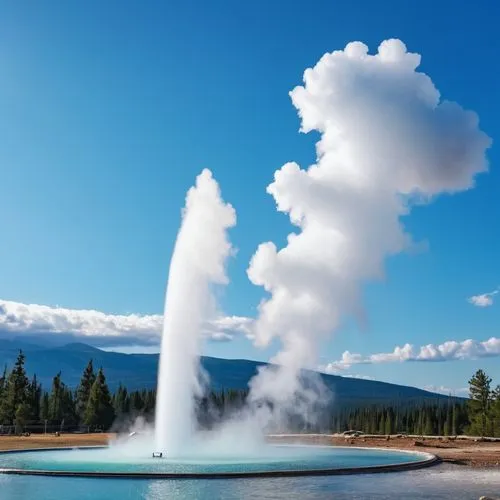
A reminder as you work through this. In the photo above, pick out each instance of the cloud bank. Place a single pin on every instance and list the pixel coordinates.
(441, 389)
(387, 141)
(483, 300)
(101, 329)
(447, 351)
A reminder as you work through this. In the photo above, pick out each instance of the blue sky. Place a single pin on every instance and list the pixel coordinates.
(109, 111)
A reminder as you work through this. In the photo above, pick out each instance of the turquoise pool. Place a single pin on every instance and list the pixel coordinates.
(271, 459)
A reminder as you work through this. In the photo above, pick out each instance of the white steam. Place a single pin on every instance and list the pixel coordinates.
(201, 250)
(387, 141)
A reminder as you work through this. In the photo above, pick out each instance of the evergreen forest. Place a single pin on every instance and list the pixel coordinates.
(26, 406)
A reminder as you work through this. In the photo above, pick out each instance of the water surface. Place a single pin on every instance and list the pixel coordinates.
(269, 458)
(435, 483)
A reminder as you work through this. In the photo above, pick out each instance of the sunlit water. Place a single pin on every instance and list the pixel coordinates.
(269, 458)
(439, 482)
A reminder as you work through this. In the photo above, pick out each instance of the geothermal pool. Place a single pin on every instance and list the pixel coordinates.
(282, 460)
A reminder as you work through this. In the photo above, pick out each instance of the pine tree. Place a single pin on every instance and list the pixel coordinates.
(448, 423)
(121, 401)
(83, 391)
(56, 399)
(15, 391)
(495, 411)
(381, 423)
(34, 398)
(99, 410)
(45, 407)
(439, 420)
(68, 404)
(23, 414)
(388, 423)
(136, 401)
(454, 420)
(3, 381)
(3, 391)
(420, 422)
(428, 427)
(479, 403)
(149, 401)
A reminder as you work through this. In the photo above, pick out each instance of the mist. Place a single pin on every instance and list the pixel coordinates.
(388, 142)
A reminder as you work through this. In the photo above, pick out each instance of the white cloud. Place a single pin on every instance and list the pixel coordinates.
(359, 376)
(387, 141)
(447, 351)
(483, 300)
(441, 389)
(104, 329)
(331, 370)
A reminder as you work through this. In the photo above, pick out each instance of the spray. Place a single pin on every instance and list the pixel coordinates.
(200, 252)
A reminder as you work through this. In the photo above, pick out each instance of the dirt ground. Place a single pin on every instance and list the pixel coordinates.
(458, 451)
(52, 441)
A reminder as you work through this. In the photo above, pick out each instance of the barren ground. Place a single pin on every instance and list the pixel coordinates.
(458, 451)
(52, 441)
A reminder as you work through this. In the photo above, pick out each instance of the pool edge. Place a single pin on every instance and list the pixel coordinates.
(428, 460)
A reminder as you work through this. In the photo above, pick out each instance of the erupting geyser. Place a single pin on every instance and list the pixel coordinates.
(197, 263)
(388, 141)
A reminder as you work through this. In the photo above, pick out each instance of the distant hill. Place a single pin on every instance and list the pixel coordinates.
(138, 371)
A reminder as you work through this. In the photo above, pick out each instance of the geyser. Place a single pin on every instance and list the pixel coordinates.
(197, 263)
(387, 141)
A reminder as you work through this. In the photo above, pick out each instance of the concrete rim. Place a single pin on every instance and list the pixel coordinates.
(427, 460)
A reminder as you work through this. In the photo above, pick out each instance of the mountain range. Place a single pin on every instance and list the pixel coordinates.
(139, 371)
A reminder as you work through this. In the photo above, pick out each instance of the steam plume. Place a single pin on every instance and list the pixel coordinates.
(387, 142)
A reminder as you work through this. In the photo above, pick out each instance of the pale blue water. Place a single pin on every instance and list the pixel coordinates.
(435, 483)
(271, 458)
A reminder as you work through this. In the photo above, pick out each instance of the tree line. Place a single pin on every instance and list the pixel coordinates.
(24, 403)
(430, 419)
(479, 415)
